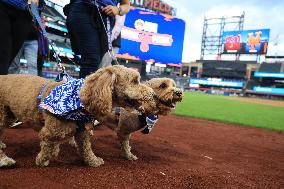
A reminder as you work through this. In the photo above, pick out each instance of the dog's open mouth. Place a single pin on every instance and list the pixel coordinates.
(170, 104)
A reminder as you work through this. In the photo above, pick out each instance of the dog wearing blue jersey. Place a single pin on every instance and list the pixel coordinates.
(60, 110)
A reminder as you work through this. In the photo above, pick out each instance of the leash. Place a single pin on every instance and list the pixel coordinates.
(107, 29)
(34, 12)
(33, 9)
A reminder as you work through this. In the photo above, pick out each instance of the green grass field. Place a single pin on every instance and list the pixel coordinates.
(219, 108)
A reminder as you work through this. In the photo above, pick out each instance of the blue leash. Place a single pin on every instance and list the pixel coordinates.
(34, 12)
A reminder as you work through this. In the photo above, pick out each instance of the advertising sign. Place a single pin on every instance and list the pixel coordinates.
(154, 5)
(216, 82)
(266, 74)
(279, 91)
(246, 41)
(152, 37)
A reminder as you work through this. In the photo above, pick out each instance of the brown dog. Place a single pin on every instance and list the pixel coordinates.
(128, 122)
(108, 87)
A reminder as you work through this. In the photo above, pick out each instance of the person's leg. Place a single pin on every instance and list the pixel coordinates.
(30, 54)
(5, 40)
(21, 27)
(87, 38)
(15, 65)
(15, 26)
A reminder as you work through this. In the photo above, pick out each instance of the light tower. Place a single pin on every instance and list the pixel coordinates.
(213, 29)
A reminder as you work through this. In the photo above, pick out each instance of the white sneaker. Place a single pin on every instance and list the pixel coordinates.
(7, 162)
(16, 124)
(95, 123)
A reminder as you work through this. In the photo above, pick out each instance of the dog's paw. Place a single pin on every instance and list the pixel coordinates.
(96, 162)
(41, 162)
(131, 157)
(7, 162)
(2, 145)
(73, 143)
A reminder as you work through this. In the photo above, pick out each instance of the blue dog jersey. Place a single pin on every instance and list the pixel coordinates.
(64, 101)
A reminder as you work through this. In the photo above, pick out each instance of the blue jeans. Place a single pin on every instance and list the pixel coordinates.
(86, 35)
(15, 66)
(29, 52)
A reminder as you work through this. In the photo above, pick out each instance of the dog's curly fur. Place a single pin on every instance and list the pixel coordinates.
(167, 95)
(102, 90)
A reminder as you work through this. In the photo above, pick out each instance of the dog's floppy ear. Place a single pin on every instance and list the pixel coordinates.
(96, 94)
(152, 83)
(148, 83)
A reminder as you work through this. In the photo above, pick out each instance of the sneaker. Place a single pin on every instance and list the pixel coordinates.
(16, 124)
(95, 123)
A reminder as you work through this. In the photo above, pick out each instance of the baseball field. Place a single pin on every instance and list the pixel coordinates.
(253, 112)
(181, 152)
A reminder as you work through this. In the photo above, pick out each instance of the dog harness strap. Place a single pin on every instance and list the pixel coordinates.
(39, 97)
(81, 126)
(117, 112)
(39, 101)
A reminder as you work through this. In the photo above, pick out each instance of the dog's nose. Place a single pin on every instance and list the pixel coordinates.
(178, 93)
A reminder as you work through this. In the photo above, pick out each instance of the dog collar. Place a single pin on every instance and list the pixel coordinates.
(146, 121)
(150, 120)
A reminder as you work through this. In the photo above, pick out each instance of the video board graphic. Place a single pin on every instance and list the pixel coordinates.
(246, 41)
(152, 37)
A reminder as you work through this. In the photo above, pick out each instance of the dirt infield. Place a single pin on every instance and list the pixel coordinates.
(179, 153)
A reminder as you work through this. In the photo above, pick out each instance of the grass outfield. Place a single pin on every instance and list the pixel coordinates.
(219, 108)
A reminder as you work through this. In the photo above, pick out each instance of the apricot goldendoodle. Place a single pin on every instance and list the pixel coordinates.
(167, 94)
(98, 93)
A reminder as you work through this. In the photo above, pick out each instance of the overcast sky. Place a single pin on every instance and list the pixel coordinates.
(258, 14)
